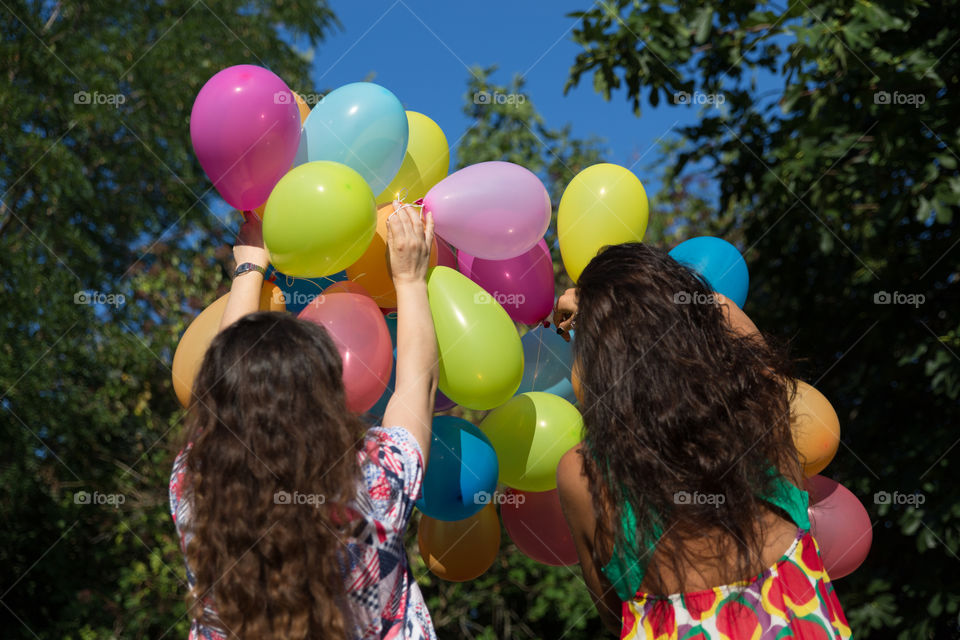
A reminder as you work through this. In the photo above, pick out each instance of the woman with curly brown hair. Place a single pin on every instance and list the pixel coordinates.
(291, 515)
(685, 499)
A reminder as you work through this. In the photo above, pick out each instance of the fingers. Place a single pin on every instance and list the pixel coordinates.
(428, 230)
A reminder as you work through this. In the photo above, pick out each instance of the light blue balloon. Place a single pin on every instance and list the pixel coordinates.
(462, 474)
(720, 264)
(361, 125)
(547, 360)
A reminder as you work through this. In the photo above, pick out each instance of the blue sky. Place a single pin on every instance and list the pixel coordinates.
(422, 50)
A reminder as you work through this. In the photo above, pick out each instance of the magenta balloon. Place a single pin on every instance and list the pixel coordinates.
(446, 255)
(360, 332)
(840, 524)
(493, 210)
(245, 127)
(535, 522)
(523, 285)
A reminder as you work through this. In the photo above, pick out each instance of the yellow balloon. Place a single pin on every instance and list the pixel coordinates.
(481, 358)
(426, 162)
(319, 219)
(198, 336)
(463, 549)
(603, 205)
(816, 428)
(530, 434)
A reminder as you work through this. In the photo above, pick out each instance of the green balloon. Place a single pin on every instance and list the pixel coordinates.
(481, 358)
(530, 434)
(319, 219)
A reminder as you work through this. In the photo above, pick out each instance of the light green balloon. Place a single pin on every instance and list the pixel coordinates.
(530, 434)
(481, 358)
(319, 219)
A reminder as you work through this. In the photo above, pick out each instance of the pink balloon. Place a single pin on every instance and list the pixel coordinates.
(522, 285)
(536, 524)
(245, 127)
(360, 332)
(840, 524)
(493, 210)
(446, 255)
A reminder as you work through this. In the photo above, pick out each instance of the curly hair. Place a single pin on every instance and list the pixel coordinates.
(675, 401)
(270, 470)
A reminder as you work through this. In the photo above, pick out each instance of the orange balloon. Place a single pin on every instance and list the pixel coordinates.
(816, 428)
(198, 336)
(304, 107)
(463, 549)
(371, 271)
(346, 286)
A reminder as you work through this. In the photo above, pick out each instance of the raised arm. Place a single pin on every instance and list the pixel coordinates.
(411, 406)
(245, 290)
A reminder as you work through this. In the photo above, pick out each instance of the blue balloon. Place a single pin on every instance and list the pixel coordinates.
(720, 264)
(547, 360)
(462, 474)
(299, 292)
(361, 125)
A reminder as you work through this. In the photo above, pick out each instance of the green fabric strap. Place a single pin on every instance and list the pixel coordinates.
(625, 572)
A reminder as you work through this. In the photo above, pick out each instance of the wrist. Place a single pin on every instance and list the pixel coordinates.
(249, 267)
(403, 282)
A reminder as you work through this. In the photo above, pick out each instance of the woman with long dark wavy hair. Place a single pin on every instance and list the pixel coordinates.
(685, 499)
(291, 514)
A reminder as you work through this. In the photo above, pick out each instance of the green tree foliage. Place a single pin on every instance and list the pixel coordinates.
(101, 192)
(842, 190)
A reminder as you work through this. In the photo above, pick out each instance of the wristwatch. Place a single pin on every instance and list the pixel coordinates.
(248, 266)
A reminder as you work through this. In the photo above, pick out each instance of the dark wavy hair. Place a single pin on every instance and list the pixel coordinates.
(269, 472)
(675, 401)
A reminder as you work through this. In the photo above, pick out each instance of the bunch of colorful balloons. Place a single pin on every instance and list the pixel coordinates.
(324, 179)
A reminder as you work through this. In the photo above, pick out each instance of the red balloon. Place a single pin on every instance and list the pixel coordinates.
(535, 522)
(446, 256)
(360, 332)
(522, 285)
(840, 524)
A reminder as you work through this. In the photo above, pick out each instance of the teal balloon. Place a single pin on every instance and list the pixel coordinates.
(361, 125)
(547, 360)
(720, 264)
(462, 474)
